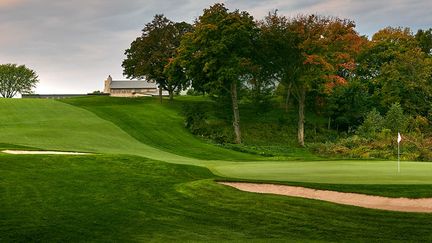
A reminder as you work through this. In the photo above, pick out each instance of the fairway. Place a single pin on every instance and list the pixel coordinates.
(336, 172)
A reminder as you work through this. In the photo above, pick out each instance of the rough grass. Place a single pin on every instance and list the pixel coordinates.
(126, 199)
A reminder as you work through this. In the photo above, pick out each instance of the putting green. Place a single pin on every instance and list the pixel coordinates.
(337, 172)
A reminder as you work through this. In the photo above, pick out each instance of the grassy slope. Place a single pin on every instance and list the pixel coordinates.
(49, 124)
(124, 198)
(155, 125)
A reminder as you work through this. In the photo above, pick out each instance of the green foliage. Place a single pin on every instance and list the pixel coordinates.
(347, 104)
(193, 92)
(395, 120)
(424, 38)
(16, 79)
(407, 80)
(218, 54)
(372, 124)
(150, 54)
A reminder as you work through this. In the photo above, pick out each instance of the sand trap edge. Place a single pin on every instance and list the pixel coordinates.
(420, 205)
(41, 152)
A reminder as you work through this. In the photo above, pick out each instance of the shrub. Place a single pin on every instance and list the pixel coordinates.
(372, 124)
(197, 122)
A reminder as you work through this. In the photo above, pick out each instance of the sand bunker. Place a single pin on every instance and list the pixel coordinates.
(41, 152)
(376, 202)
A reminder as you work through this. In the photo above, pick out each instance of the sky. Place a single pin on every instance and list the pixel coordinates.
(73, 45)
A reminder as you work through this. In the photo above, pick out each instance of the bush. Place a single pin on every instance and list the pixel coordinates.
(372, 124)
(196, 121)
(193, 92)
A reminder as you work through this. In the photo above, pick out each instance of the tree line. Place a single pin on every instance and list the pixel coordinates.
(319, 62)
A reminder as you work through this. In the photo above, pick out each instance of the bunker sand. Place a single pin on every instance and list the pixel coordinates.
(41, 152)
(422, 205)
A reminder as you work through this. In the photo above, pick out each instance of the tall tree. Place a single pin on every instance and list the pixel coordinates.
(16, 79)
(218, 55)
(150, 53)
(279, 55)
(328, 47)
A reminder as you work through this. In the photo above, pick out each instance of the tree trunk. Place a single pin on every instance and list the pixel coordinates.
(236, 118)
(301, 121)
(160, 94)
(288, 96)
(171, 95)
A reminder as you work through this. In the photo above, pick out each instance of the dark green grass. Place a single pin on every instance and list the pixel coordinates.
(124, 198)
(160, 126)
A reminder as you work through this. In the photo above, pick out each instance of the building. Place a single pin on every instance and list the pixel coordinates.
(130, 88)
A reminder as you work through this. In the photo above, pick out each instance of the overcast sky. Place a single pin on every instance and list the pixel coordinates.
(73, 45)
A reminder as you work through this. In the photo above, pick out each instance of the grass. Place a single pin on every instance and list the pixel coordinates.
(53, 125)
(335, 172)
(155, 125)
(126, 193)
(126, 199)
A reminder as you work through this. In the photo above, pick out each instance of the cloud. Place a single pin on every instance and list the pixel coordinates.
(9, 3)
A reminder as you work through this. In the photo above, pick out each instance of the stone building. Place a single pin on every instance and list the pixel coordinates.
(130, 88)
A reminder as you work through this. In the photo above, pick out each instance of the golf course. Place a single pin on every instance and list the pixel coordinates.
(146, 178)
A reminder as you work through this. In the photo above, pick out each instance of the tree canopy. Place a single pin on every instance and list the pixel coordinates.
(218, 54)
(16, 79)
(150, 53)
(320, 62)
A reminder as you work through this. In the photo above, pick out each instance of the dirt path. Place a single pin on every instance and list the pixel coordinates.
(40, 152)
(423, 205)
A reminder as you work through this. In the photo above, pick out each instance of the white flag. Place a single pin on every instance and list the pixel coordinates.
(399, 139)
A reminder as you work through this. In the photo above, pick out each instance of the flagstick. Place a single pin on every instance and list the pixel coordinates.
(398, 159)
(399, 139)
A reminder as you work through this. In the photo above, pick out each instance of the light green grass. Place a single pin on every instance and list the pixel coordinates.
(336, 172)
(53, 125)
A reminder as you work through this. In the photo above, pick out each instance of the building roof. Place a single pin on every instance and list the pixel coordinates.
(137, 84)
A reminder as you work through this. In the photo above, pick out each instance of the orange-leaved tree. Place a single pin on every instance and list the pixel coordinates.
(328, 47)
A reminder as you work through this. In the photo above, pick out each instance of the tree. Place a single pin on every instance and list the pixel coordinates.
(279, 55)
(395, 119)
(16, 79)
(372, 124)
(150, 53)
(328, 47)
(395, 69)
(407, 80)
(424, 38)
(218, 54)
